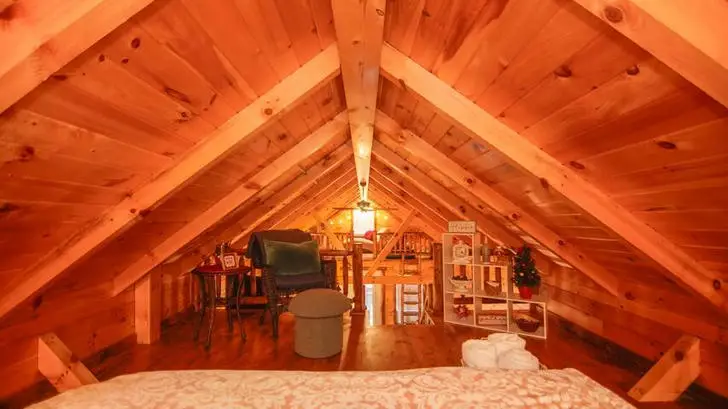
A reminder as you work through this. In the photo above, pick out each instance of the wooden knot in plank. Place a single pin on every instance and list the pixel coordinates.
(613, 14)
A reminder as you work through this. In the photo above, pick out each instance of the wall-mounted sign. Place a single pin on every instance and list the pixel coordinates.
(461, 226)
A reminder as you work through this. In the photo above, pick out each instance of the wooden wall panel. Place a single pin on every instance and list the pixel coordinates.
(83, 318)
(80, 312)
(634, 326)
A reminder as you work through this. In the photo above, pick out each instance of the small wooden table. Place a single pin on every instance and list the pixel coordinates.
(207, 278)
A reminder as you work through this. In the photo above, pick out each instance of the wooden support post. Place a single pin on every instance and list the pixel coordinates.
(672, 374)
(392, 242)
(359, 307)
(345, 275)
(437, 295)
(148, 307)
(60, 366)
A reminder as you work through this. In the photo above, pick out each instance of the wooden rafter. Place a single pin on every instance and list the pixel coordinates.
(401, 199)
(481, 125)
(320, 194)
(40, 37)
(511, 212)
(672, 374)
(60, 366)
(281, 97)
(290, 206)
(687, 35)
(333, 166)
(288, 160)
(413, 180)
(327, 209)
(433, 226)
(384, 252)
(359, 32)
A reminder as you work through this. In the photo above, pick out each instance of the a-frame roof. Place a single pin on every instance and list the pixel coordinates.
(136, 133)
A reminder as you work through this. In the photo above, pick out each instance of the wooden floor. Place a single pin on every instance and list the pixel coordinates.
(366, 348)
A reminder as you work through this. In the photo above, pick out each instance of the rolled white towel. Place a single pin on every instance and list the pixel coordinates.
(518, 359)
(479, 353)
(505, 342)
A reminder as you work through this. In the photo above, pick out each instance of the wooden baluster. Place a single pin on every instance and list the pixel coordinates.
(359, 307)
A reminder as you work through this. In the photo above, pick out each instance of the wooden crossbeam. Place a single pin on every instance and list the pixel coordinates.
(40, 37)
(60, 366)
(687, 35)
(511, 212)
(672, 374)
(384, 252)
(323, 197)
(479, 124)
(148, 307)
(280, 98)
(288, 160)
(336, 243)
(359, 33)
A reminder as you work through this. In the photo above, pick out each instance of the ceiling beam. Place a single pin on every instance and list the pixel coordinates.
(345, 197)
(254, 213)
(285, 162)
(359, 32)
(432, 226)
(483, 126)
(259, 113)
(281, 216)
(306, 203)
(40, 37)
(401, 198)
(511, 212)
(687, 35)
(412, 176)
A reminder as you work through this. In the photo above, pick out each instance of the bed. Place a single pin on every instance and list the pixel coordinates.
(417, 388)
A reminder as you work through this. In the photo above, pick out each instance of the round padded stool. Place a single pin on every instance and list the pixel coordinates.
(319, 330)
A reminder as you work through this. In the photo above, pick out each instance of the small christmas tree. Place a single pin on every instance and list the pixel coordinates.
(524, 269)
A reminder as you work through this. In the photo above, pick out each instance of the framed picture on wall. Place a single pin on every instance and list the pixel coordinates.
(230, 261)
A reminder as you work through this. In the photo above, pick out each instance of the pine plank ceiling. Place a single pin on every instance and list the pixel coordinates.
(146, 97)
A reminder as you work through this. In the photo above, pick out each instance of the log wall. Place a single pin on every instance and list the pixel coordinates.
(78, 310)
(647, 323)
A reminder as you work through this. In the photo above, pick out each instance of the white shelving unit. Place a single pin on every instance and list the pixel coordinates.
(487, 292)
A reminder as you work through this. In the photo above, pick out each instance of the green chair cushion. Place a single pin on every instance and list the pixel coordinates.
(293, 258)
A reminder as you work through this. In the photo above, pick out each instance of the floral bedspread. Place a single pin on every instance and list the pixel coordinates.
(418, 388)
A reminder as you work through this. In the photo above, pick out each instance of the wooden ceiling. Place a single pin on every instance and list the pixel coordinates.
(155, 134)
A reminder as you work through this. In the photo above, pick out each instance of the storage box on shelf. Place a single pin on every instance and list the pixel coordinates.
(479, 292)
